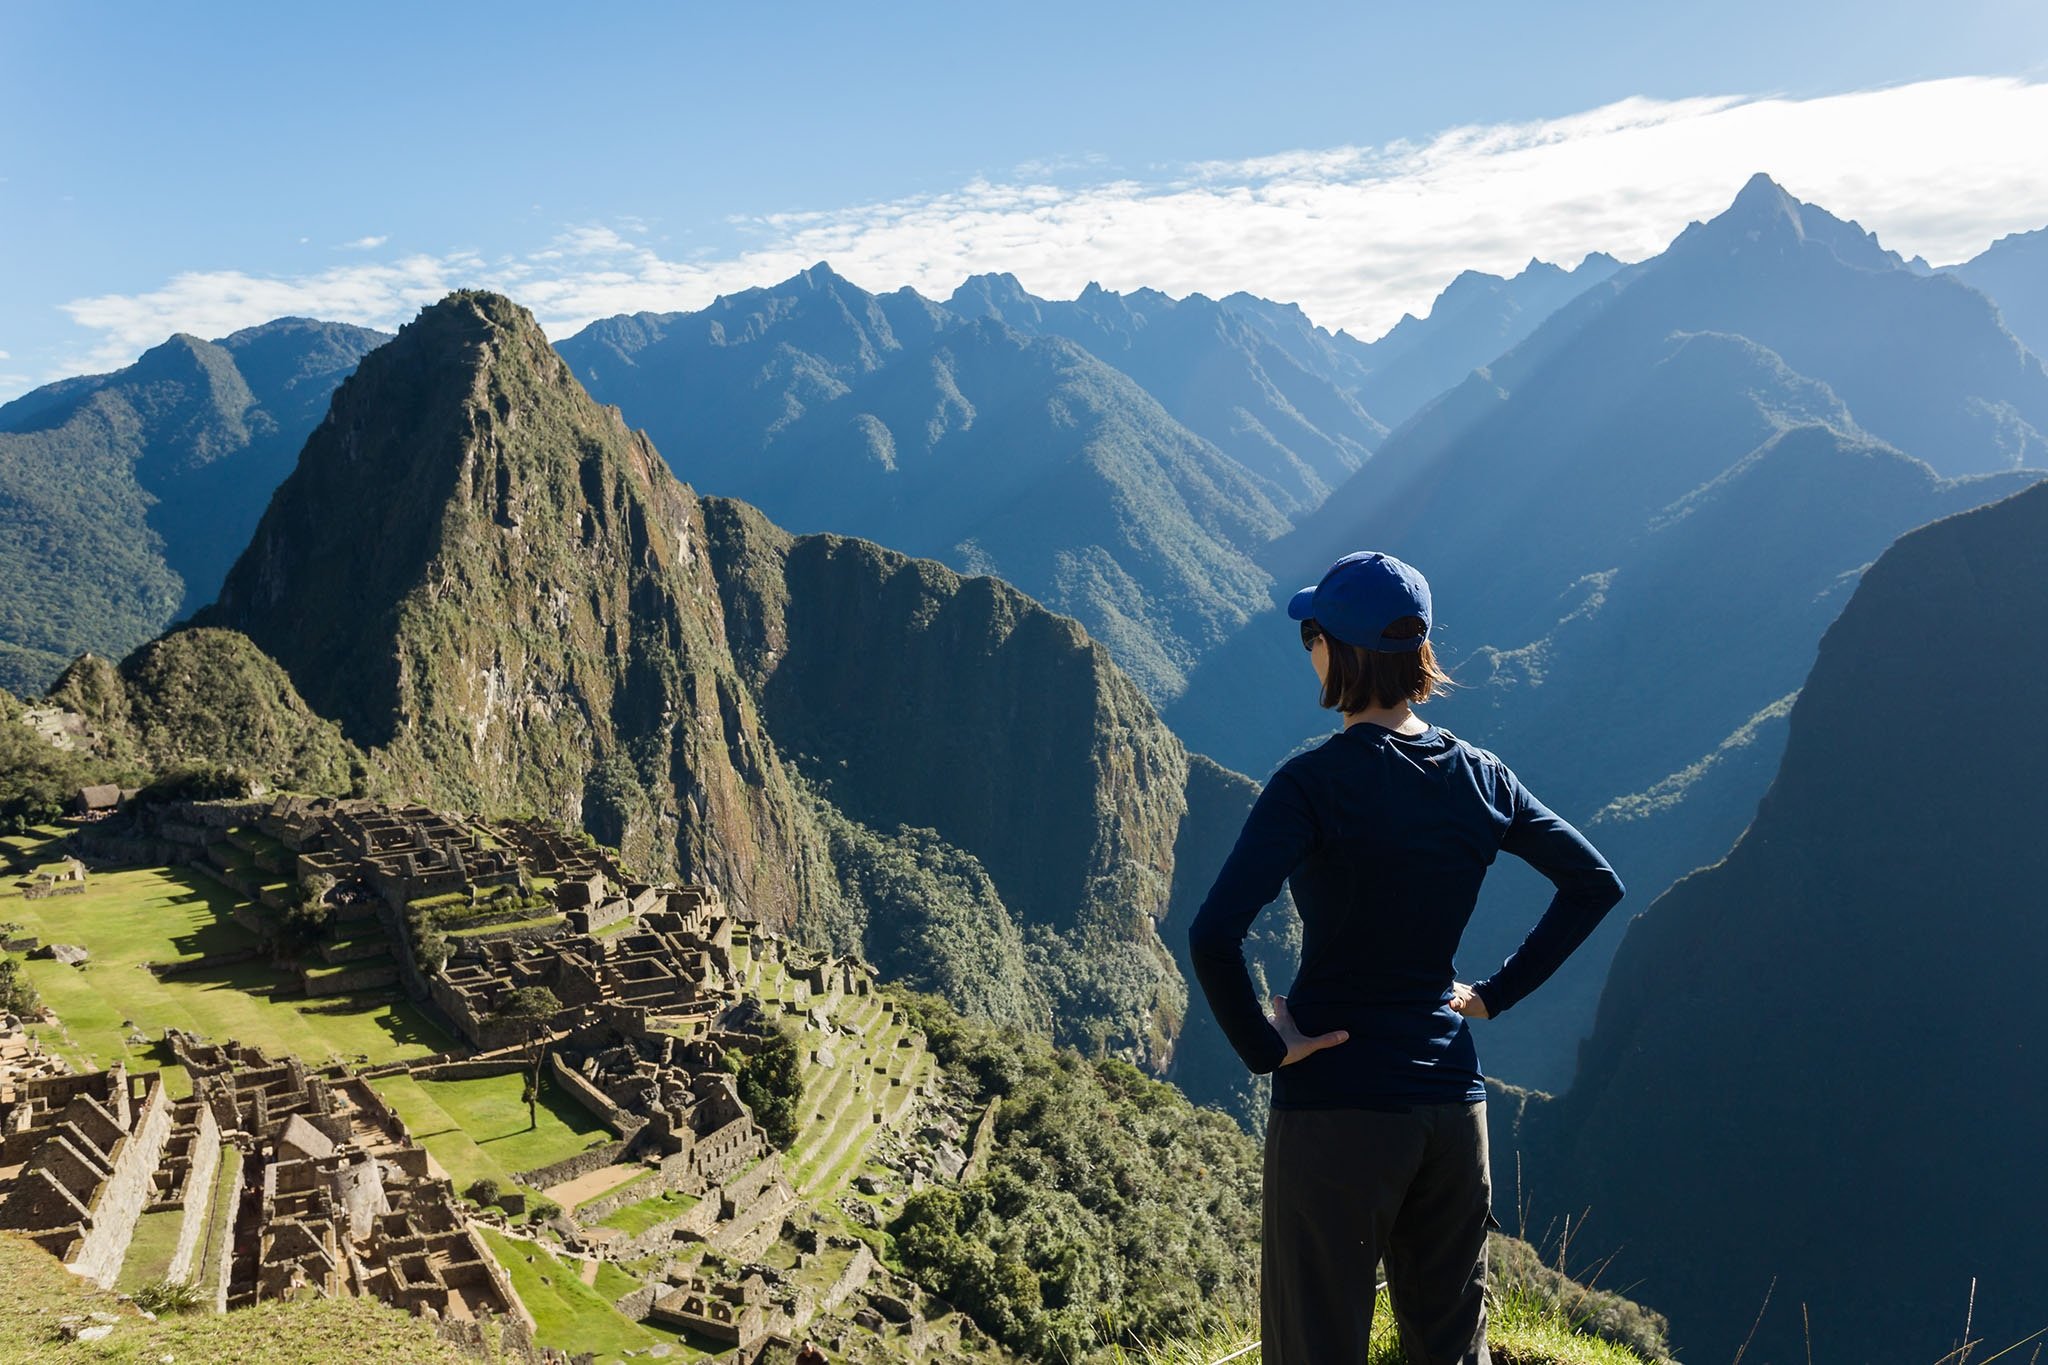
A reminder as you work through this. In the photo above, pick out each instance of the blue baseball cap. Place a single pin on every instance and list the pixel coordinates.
(1361, 596)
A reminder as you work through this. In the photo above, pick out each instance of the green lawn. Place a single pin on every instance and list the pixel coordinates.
(478, 1128)
(571, 1314)
(538, 921)
(635, 1219)
(127, 918)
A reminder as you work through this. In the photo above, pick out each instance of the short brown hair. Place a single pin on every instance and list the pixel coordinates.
(1359, 678)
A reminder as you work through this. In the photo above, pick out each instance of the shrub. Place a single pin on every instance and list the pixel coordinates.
(484, 1191)
(541, 1210)
(166, 1297)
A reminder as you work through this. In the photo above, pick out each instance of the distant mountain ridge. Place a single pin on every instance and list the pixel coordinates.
(1121, 457)
(124, 496)
(2013, 273)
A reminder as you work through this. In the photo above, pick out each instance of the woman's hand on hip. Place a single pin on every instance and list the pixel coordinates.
(1466, 1001)
(1299, 1044)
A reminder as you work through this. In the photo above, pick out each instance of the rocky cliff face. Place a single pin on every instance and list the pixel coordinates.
(1819, 1062)
(916, 697)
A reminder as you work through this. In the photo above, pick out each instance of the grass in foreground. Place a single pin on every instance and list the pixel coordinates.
(1521, 1331)
(40, 1293)
(168, 914)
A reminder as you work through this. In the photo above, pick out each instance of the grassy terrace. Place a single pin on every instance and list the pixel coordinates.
(151, 1249)
(635, 1219)
(29, 847)
(478, 1128)
(128, 918)
(537, 922)
(573, 1315)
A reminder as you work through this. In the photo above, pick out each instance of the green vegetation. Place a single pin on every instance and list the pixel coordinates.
(162, 1297)
(151, 1249)
(211, 700)
(570, 1314)
(17, 993)
(37, 778)
(123, 496)
(481, 1129)
(771, 1083)
(926, 914)
(1111, 1208)
(115, 1009)
(315, 1331)
(1520, 1331)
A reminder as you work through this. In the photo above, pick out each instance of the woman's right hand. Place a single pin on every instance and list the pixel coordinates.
(1299, 1044)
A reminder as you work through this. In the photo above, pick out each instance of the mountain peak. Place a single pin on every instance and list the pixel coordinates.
(1764, 212)
(1763, 200)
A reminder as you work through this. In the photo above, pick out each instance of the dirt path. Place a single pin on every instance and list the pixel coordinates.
(570, 1193)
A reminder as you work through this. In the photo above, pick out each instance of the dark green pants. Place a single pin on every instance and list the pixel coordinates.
(1349, 1188)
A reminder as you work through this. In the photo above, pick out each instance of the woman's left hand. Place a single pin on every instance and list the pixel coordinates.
(1466, 1001)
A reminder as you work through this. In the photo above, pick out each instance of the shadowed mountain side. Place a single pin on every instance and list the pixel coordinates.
(124, 496)
(2013, 273)
(1628, 691)
(1475, 319)
(1814, 1060)
(1922, 361)
(881, 416)
(1516, 505)
(1216, 371)
(915, 697)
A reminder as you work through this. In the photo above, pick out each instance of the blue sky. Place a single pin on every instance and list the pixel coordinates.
(204, 166)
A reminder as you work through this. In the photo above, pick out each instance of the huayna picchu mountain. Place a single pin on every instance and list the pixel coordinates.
(505, 598)
(1819, 1064)
(125, 496)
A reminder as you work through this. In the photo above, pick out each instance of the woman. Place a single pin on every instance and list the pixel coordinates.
(1376, 1145)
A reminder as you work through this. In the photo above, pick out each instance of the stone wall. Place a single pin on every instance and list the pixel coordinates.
(204, 1165)
(596, 1101)
(471, 1069)
(575, 1167)
(121, 1199)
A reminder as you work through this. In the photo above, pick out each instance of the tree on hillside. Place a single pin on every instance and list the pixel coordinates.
(771, 1083)
(535, 1007)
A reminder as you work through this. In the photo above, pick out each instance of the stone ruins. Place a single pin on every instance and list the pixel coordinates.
(289, 1181)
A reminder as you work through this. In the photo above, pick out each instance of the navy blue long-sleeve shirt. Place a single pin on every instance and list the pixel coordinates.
(1384, 839)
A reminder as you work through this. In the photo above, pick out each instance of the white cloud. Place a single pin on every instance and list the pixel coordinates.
(361, 244)
(1356, 235)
